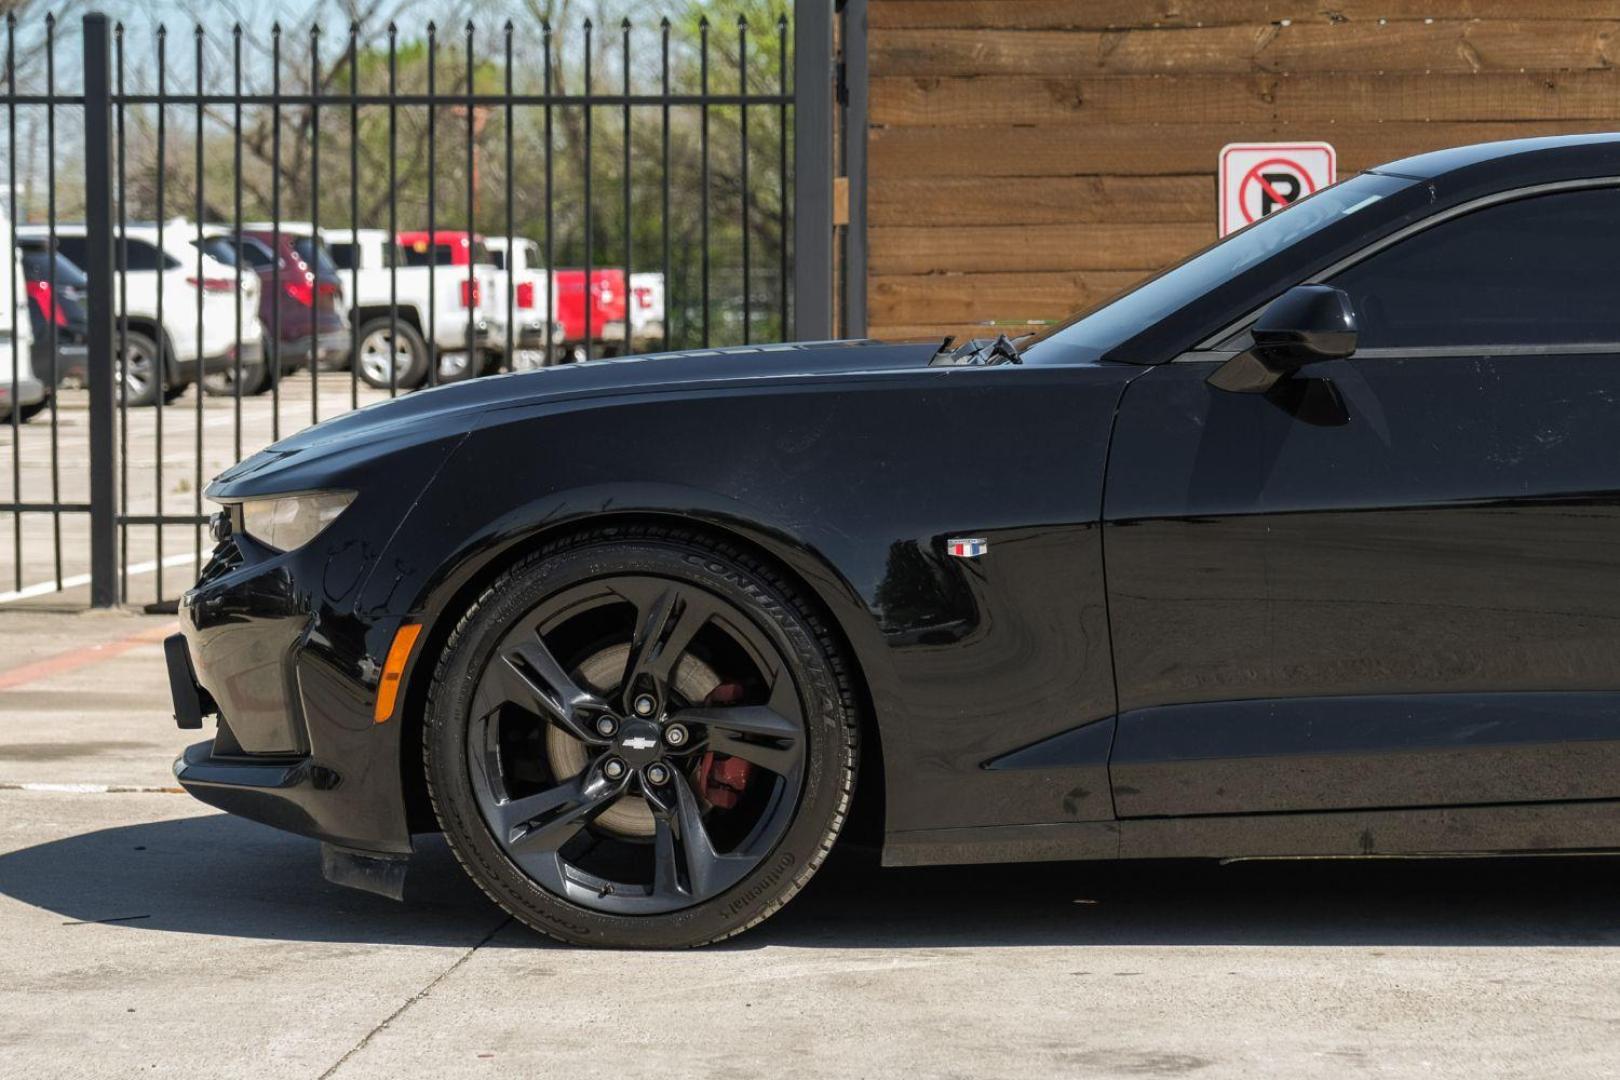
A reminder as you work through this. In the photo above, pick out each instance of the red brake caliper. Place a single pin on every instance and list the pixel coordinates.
(722, 779)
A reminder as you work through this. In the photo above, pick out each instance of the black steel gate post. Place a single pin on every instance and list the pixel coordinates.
(98, 193)
(852, 41)
(814, 80)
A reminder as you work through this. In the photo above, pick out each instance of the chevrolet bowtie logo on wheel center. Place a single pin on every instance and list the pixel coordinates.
(639, 741)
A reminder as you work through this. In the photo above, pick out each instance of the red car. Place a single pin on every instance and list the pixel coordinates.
(309, 312)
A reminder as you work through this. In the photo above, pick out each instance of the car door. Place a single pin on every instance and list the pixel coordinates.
(1393, 580)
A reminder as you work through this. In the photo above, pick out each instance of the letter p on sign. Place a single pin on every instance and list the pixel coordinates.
(1257, 179)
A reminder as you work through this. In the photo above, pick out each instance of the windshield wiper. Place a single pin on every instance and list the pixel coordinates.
(980, 352)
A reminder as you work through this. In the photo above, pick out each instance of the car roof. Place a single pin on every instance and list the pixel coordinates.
(498, 243)
(174, 232)
(440, 236)
(342, 235)
(1513, 163)
(287, 228)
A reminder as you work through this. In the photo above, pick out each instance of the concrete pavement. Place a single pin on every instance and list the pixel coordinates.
(141, 933)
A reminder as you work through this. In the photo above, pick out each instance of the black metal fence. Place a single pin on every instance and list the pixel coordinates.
(363, 217)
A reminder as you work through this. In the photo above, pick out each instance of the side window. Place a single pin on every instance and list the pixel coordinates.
(257, 255)
(141, 255)
(342, 255)
(144, 256)
(1543, 270)
(217, 247)
(76, 248)
(422, 253)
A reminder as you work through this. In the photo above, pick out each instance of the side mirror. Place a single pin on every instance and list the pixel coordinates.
(1305, 324)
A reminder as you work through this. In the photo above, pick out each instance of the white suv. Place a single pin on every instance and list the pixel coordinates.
(16, 338)
(172, 269)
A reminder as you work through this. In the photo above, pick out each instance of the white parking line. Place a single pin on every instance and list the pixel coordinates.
(76, 580)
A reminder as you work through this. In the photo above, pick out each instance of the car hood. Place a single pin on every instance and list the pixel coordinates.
(449, 412)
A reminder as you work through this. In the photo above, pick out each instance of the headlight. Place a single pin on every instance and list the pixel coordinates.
(293, 520)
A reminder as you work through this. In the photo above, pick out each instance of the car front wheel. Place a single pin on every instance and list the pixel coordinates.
(640, 738)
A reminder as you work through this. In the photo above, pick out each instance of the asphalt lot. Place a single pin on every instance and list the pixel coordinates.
(142, 933)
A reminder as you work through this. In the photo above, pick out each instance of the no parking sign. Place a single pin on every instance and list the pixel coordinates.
(1261, 178)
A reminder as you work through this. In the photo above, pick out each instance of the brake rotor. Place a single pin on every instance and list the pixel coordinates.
(601, 673)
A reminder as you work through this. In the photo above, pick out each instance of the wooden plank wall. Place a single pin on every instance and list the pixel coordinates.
(1030, 157)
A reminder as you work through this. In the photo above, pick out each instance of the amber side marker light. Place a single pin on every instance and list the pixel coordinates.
(394, 667)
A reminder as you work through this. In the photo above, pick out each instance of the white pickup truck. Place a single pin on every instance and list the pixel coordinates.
(388, 304)
(164, 261)
(522, 302)
(644, 305)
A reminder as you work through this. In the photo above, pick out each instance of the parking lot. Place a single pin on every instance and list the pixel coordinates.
(141, 932)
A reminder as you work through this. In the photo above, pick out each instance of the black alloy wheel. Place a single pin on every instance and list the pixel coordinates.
(638, 738)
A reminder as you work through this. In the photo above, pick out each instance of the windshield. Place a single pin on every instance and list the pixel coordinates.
(1120, 319)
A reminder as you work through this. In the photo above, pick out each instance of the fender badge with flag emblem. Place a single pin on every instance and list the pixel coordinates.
(964, 548)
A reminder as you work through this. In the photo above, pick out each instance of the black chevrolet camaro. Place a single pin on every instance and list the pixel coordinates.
(1308, 546)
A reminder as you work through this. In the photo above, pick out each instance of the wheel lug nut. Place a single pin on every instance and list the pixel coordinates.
(606, 726)
(613, 768)
(645, 705)
(676, 735)
(657, 774)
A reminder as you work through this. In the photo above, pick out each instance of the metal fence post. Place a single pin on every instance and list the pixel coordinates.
(814, 78)
(853, 279)
(98, 171)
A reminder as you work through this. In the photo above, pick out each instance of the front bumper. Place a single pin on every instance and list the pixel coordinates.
(528, 334)
(457, 336)
(288, 676)
(284, 795)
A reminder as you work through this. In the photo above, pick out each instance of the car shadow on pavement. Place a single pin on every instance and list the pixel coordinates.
(220, 875)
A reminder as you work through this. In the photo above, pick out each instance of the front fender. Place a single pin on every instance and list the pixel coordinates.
(855, 485)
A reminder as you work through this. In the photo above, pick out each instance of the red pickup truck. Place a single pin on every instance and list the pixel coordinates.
(608, 309)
